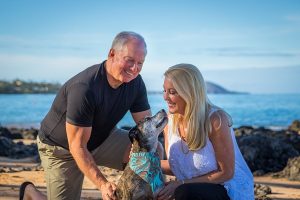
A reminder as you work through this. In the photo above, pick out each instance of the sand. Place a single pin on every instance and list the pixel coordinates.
(282, 189)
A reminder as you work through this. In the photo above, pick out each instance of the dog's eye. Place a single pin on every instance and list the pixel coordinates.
(147, 118)
(143, 120)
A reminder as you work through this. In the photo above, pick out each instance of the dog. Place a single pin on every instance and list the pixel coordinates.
(142, 178)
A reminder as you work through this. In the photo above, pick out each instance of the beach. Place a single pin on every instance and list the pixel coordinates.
(272, 155)
(282, 189)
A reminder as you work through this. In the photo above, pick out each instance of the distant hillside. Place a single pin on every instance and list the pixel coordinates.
(22, 87)
(213, 88)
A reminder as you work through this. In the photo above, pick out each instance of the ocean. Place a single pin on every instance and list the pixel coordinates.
(274, 111)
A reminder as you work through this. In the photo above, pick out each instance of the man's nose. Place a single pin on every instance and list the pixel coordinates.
(135, 67)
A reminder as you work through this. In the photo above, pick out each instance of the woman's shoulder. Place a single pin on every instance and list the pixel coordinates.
(215, 113)
(219, 118)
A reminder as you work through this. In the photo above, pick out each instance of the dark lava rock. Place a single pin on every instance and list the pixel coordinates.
(291, 171)
(295, 126)
(261, 191)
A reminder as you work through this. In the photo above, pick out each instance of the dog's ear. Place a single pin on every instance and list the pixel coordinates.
(133, 133)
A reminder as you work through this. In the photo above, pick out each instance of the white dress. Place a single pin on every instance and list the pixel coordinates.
(200, 162)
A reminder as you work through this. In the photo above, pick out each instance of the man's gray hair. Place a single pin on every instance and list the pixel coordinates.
(125, 36)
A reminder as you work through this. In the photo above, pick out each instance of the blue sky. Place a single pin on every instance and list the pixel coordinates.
(251, 46)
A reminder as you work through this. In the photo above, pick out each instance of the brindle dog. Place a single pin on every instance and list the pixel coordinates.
(142, 177)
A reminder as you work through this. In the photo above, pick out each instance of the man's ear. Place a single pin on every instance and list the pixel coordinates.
(111, 53)
(133, 133)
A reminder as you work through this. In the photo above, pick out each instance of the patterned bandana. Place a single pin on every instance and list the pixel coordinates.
(147, 166)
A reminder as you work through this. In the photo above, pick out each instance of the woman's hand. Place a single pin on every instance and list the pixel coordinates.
(168, 191)
(108, 191)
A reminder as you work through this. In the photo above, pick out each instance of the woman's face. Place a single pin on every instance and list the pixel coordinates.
(176, 104)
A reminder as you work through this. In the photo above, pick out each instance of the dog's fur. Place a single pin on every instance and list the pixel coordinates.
(144, 138)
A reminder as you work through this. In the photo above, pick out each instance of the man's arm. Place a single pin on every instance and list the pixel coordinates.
(78, 138)
(138, 116)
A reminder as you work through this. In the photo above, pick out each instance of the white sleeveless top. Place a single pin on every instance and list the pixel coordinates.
(202, 161)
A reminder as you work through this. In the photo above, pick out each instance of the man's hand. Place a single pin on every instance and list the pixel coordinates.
(108, 191)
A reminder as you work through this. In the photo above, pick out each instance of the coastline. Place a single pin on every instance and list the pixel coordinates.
(36, 125)
(22, 126)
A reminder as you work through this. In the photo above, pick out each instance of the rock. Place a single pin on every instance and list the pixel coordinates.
(261, 191)
(10, 169)
(266, 153)
(30, 134)
(259, 172)
(4, 132)
(292, 138)
(262, 198)
(292, 170)
(10, 149)
(6, 145)
(243, 130)
(16, 133)
(266, 150)
(295, 126)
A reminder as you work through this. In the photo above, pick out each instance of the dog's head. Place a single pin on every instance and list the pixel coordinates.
(147, 131)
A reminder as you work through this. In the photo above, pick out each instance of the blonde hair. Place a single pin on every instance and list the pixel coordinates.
(190, 85)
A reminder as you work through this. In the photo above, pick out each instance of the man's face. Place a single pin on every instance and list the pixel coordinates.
(128, 62)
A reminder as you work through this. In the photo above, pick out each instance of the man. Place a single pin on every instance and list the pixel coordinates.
(79, 132)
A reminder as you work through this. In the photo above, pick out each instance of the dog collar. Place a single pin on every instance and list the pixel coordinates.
(147, 166)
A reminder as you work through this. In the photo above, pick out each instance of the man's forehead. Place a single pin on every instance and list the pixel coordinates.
(135, 45)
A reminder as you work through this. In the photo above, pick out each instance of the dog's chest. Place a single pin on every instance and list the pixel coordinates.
(142, 178)
(147, 166)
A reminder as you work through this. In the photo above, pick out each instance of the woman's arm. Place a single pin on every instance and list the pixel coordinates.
(221, 140)
(166, 167)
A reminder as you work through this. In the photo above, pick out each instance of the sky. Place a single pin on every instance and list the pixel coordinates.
(248, 46)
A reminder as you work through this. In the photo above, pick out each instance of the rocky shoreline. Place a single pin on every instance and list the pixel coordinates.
(268, 152)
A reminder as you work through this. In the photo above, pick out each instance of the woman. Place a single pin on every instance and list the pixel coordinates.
(200, 144)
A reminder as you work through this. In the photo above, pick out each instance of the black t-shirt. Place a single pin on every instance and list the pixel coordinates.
(88, 100)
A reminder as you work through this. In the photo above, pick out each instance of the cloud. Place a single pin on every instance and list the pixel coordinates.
(293, 18)
(27, 60)
(63, 42)
(238, 52)
(249, 52)
(58, 68)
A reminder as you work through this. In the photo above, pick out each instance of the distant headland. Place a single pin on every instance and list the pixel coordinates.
(18, 86)
(213, 88)
(28, 87)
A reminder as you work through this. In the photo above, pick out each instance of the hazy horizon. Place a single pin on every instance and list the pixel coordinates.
(249, 46)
